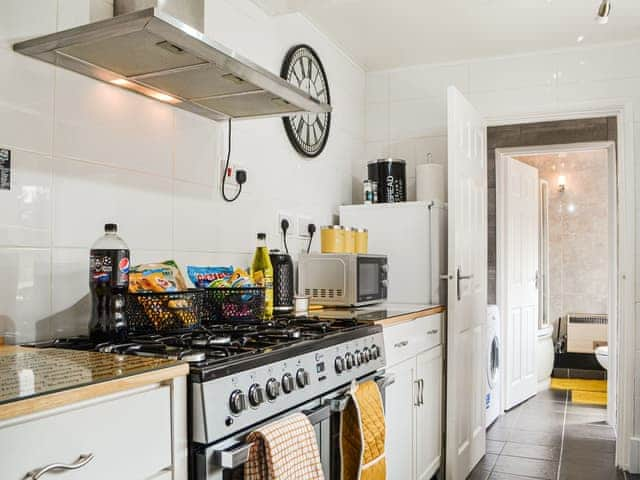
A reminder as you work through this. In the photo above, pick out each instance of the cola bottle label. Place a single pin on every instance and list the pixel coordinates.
(109, 267)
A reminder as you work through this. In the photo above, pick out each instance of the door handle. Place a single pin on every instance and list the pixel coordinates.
(417, 402)
(401, 344)
(79, 463)
(459, 277)
(537, 279)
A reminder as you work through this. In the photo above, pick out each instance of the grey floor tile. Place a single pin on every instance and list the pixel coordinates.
(589, 410)
(573, 471)
(507, 476)
(539, 452)
(494, 446)
(499, 434)
(535, 438)
(479, 474)
(595, 420)
(589, 446)
(527, 467)
(487, 462)
(551, 422)
(589, 431)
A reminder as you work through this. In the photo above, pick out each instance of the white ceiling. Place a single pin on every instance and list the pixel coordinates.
(381, 34)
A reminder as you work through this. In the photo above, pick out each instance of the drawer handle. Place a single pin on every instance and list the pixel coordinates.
(432, 332)
(401, 344)
(79, 463)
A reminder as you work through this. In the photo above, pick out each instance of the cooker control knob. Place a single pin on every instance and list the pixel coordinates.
(339, 364)
(237, 401)
(375, 352)
(287, 383)
(384, 283)
(384, 267)
(273, 389)
(366, 355)
(256, 395)
(302, 378)
(349, 360)
(358, 357)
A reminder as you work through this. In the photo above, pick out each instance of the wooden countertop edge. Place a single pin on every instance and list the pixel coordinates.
(88, 392)
(407, 317)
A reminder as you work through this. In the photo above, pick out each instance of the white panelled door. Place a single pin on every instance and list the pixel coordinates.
(519, 208)
(467, 297)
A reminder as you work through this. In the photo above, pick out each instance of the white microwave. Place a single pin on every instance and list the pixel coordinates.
(343, 279)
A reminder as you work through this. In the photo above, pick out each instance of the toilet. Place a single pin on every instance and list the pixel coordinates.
(544, 357)
(602, 355)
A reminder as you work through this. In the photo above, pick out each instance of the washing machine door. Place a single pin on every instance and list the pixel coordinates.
(493, 362)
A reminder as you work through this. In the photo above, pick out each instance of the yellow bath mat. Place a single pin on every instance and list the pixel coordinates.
(579, 384)
(589, 398)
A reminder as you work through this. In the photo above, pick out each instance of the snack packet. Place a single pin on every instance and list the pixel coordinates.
(156, 277)
(208, 277)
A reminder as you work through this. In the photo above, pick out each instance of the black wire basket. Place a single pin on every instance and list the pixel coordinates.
(160, 312)
(232, 304)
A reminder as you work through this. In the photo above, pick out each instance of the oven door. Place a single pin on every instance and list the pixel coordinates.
(225, 460)
(371, 279)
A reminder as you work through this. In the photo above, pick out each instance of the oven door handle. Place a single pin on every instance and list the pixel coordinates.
(385, 381)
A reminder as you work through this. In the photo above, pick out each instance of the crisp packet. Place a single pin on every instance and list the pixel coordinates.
(156, 277)
(209, 277)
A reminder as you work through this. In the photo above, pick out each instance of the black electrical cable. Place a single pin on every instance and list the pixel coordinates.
(311, 229)
(284, 225)
(226, 168)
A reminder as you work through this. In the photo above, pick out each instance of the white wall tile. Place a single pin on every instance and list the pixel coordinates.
(87, 196)
(26, 208)
(196, 224)
(70, 299)
(73, 13)
(377, 87)
(101, 10)
(417, 118)
(427, 81)
(512, 72)
(614, 89)
(26, 102)
(200, 144)
(25, 302)
(24, 19)
(377, 121)
(517, 101)
(105, 124)
(599, 63)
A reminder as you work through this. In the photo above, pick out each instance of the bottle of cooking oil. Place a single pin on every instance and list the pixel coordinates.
(262, 273)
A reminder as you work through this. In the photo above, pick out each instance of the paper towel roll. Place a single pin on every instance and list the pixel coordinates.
(430, 183)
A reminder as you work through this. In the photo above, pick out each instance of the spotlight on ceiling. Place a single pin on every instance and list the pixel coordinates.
(603, 12)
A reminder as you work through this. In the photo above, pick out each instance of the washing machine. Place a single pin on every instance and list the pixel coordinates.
(492, 399)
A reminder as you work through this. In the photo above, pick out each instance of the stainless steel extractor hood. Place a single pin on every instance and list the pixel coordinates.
(155, 54)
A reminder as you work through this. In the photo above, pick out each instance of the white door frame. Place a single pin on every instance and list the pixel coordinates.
(627, 445)
(502, 155)
(612, 309)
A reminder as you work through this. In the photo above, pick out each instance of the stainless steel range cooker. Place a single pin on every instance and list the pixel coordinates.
(244, 375)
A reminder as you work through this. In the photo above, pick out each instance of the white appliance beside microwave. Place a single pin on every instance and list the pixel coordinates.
(343, 279)
(414, 237)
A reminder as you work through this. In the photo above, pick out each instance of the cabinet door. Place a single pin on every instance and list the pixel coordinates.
(429, 413)
(399, 413)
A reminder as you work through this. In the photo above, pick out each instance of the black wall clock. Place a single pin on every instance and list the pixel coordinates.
(307, 132)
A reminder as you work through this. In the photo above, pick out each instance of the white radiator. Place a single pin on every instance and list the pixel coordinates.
(586, 331)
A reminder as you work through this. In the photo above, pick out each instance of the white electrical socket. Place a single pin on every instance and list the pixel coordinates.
(303, 225)
(292, 223)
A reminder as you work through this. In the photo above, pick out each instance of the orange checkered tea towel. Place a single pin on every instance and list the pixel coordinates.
(284, 450)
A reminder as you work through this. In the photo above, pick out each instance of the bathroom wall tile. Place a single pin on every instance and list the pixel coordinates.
(424, 81)
(25, 298)
(87, 196)
(105, 124)
(26, 208)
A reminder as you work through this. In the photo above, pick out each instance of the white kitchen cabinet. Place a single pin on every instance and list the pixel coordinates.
(414, 401)
(400, 418)
(134, 435)
(428, 414)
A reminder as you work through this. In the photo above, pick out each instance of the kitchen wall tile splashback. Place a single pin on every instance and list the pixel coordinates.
(85, 153)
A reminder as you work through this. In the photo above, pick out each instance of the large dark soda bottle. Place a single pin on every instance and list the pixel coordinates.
(108, 282)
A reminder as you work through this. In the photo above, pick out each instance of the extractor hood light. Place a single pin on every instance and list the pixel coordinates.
(163, 97)
(121, 82)
(603, 12)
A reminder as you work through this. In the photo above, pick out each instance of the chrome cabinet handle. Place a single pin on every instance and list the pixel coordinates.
(421, 391)
(401, 344)
(79, 463)
(459, 277)
(417, 402)
(432, 332)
